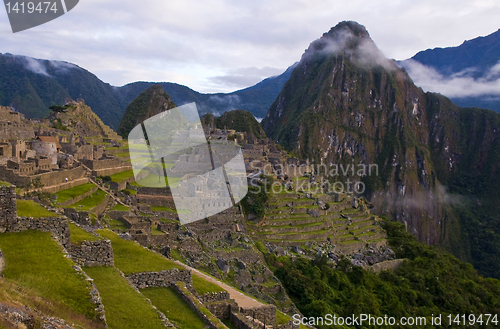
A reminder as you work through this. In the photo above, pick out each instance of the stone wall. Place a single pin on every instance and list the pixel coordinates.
(8, 206)
(101, 164)
(57, 225)
(222, 310)
(93, 253)
(15, 131)
(159, 279)
(241, 322)
(213, 297)
(110, 171)
(156, 200)
(265, 314)
(193, 303)
(47, 179)
(79, 217)
(99, 209)
(165, 191)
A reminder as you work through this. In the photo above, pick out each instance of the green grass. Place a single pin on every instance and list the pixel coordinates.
(34, 260)
(123, 154)
(117, 225)
(29, 208)
(203, 286)
(176, 254)
(130, 191)
(281, 318)
(2, 183)
(120, 207)
(155, 230)
(73, 192)
(78, 235)
(125, 308)
(174, 307)
(90, 202)
(161, 208)
(169, 220)
(133, 258)
(120, 177)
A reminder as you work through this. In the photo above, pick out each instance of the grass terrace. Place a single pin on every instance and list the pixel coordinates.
(120, 207)
(203, 286)
(34, 261)
(121, 176)
(2, 183)
(130, 191)
(29, 208)
(78, 234)
(116, 224)
(73, 192)
(161, 208)
(125, 308)
(90, 202)
(130, 257)
(174, 307)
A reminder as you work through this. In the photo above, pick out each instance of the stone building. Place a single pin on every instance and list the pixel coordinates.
(5, 150)
(46, 146)
(81, 149)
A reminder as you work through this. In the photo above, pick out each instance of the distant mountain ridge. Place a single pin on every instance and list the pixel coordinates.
(468, 74)
(31, 85)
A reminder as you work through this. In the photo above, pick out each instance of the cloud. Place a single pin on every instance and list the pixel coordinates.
(192, 41)
(245, 77)
(63, 67)
(438, 196)
(360, 49)
(224, 103)
(460, 84)
(34, 65)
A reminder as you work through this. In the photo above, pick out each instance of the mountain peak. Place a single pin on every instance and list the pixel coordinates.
(149, 103)
(353, 27)
(350, 40)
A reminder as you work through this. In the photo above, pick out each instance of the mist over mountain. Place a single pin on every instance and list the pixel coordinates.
(31, 85)
(469, 74)
(438, 164)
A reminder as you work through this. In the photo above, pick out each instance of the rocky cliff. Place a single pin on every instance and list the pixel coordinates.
(345, 103)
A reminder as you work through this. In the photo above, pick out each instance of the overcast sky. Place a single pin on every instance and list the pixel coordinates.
(226, 45)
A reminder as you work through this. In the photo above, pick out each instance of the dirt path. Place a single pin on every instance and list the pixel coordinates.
(241, 299)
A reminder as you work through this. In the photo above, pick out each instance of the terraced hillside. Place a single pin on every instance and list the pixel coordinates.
(301, 218)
